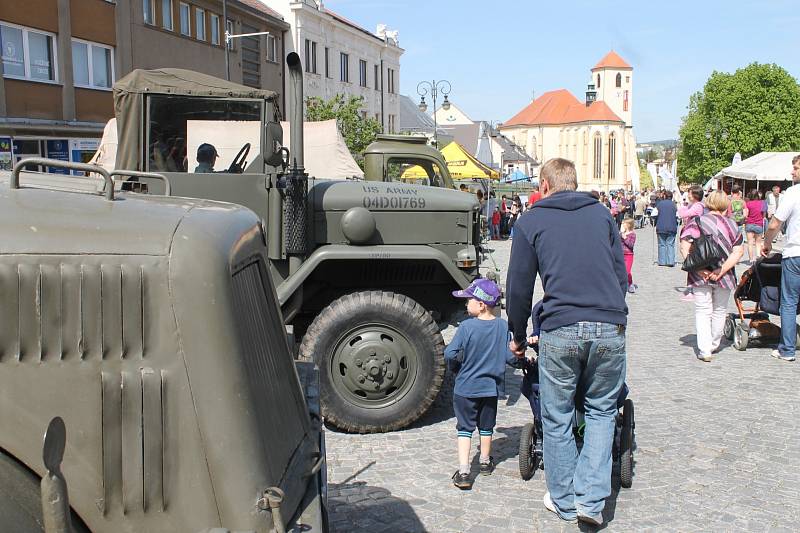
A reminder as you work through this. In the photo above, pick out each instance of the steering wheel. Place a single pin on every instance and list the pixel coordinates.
(238, 163)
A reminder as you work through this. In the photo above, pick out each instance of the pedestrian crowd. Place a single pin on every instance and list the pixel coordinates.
(580, 324)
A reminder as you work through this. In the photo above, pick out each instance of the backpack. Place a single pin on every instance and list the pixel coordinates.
(737, 210)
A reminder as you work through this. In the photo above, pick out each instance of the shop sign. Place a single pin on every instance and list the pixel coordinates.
(58, 149)
(82, 151)
(6, 153)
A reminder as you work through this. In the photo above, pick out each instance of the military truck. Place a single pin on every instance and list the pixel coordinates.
(363, 269)
(151, 326)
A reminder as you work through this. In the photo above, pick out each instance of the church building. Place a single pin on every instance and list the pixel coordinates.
(596, 134)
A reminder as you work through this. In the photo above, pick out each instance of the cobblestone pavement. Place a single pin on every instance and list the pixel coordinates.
(717, 445)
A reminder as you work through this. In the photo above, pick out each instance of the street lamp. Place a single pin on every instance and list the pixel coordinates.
(434, 87)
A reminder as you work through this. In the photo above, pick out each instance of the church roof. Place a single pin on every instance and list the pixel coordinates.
(612, 60)
(561, 107)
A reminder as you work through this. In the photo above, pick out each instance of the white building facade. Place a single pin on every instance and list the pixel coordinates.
(341, 57)
(595, 134)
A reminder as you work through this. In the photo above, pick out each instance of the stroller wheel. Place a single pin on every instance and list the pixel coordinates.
(741, 336)
(528, 460)
(626, 445)
(730, 325)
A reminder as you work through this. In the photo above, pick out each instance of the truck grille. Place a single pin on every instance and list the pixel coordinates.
(268, 364)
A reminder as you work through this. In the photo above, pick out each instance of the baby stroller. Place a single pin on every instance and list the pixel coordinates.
(761, 283)
(530, 442)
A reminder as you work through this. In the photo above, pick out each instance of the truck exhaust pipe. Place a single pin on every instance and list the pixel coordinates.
(295, 206)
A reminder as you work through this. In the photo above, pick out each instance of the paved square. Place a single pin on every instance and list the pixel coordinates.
(718, 447)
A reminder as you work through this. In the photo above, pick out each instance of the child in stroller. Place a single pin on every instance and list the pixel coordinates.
(530, 442)
(761, 284)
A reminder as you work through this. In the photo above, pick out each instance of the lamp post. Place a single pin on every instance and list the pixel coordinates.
(434, 87)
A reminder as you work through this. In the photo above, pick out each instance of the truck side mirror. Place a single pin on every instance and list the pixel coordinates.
(274, 155)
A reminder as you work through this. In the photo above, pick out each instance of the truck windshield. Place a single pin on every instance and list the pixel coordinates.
(410, 170)
(195, 134)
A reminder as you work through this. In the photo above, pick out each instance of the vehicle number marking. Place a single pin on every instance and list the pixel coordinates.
(393, 202)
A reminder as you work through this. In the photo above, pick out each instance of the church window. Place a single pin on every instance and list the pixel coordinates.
(619, 79)
(612, 156)
(625, 101)
(627, 79)
(598, 157)
(598, 81)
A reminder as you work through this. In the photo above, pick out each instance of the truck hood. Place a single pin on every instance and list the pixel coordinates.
(387, 196)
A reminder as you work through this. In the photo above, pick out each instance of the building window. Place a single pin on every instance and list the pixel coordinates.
(185, 15)
(28, 54)
(391, 123)
(625, 101)
(200, 24)
(619, 79)
(598, 81)
(149, 11)
(627, 79)
(92, 65)
(229, 31)
(311, 56)
(327, 62)
(166, 14)
(390, 79)
(251, 58)
(214, 28)
(272, 48)
(344, 67)
(612, 156)
(377, 78)
(364, 115)
(598, 157)
(362, 73)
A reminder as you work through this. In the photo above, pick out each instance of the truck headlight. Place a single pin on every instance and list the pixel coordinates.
(467, 258)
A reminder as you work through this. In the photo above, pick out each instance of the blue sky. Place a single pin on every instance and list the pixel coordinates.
(496, 54)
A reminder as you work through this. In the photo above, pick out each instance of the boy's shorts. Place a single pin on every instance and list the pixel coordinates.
(475, 412)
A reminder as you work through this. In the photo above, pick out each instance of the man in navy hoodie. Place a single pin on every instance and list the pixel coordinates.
(570, 240)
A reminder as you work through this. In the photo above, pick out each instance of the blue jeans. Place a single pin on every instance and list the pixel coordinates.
(666, 249)
(587, 359)
(790, 293)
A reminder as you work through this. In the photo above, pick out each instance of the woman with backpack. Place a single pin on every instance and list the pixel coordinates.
(738, 209)
(712, 288)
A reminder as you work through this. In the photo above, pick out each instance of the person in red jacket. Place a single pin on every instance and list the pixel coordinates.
(534, 197)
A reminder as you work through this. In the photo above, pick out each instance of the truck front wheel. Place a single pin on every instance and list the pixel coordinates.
(381, 360)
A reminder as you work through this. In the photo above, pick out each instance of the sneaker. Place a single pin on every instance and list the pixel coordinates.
(487, 468)
(462, 481)
(550, 506)
(704, 358)
(593, 519)
(632, 289)
(778, 355)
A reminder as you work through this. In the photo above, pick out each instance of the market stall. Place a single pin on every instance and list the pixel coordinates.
(760, 171)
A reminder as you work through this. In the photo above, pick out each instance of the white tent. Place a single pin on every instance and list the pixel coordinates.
(766, 166)
(325, 152)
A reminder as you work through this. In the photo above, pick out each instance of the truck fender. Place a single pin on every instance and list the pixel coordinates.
(372, 253)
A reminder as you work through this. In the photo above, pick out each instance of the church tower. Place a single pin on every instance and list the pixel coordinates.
(613, 81)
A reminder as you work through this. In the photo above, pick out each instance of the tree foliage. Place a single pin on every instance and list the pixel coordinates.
(755, 109)
(645, 179)
(358, 131)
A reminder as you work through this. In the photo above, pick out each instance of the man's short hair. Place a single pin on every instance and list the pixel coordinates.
(736, 189)
(796, 159)
(560, 174)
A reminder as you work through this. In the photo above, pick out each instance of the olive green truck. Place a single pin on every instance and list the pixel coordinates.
(363, 269)
(150, 326)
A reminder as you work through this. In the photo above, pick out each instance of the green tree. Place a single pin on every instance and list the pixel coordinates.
(755, 109)
(645, 179)
(358, 131)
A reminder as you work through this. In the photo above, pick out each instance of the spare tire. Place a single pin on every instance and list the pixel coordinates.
(381, 360)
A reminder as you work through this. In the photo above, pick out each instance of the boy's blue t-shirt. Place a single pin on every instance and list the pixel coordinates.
(484, 344)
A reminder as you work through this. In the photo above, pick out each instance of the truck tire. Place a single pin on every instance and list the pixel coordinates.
(381, 361)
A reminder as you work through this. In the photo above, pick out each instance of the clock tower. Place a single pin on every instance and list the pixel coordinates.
(613, 81)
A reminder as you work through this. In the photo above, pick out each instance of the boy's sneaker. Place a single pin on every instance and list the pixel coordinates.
(462, 481)
(778, 355)
(550, 506)
(487, 468)
(593, 519)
